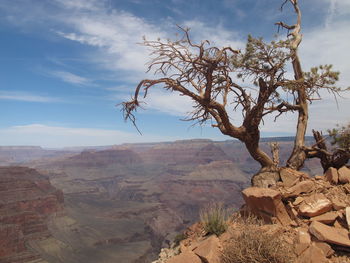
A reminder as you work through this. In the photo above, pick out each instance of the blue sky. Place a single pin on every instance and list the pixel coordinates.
(65, 64)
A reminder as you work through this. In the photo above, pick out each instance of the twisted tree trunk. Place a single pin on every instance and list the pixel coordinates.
(336, 159)
(298, 156)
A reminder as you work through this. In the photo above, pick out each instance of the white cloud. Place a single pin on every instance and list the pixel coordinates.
(337, 9)
(170, 103)
(329, 44)
(216, 34)
(91, 5)
(23, 96)
(161, 101)
(70, 78)
(56, 136)
(116, 35)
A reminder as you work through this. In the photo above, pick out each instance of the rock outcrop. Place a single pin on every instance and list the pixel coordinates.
(266, 203)
(311, 215)
(316, 209)
(27, 200)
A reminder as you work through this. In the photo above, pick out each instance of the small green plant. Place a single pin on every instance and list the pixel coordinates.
(341, 136)
(214, 218)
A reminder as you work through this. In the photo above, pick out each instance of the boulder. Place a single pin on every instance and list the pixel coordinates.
(266, 204)
(185, 257)
(303, 236)
(302, 187)
(338, 204)
(332, 235)
(327, 249)
(347, 216)
(337, 224)
(331, 175)
(313, 254)
(315, 205)
(298, 201)
(188, 244)
(344, 175)
(289, 176)
(293, 214)
(209, 250)
(303, 241)
(265, 179)
(327, 218)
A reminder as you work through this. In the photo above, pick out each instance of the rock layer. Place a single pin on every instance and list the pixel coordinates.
(27, 199)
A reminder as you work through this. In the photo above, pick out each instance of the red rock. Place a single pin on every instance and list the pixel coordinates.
(265, 179)
(327, 249)
(337, 224)
(338, 204)
(185, 257)
(209, 250)
(347, 188)
(293, 214)
(289, 176)
(298, 200)
(27, 199)
(11, 240)
(314, 205)
(266, 204)
(300, 248)
(302, 187)
(327, 218)
(344, 175)
(331, 175)
(303, 241)
(313, 254)
(303, 236)
(330, 234)
(347, 216)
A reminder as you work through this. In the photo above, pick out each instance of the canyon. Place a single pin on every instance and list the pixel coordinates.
(27, 202)
(118, 203)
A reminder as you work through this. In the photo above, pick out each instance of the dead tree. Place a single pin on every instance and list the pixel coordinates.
(306, 88)
(209, 75)
(336, 158)
(275, 153)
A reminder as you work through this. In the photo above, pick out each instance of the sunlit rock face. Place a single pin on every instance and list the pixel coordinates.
(27, 200)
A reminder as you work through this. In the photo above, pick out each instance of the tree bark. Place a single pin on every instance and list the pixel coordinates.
(275, 153)
(251, 142)
(298, 156)
(336, 159)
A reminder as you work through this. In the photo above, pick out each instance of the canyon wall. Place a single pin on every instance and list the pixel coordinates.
(27, 200)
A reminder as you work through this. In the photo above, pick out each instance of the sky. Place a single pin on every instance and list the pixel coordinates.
(66, 64)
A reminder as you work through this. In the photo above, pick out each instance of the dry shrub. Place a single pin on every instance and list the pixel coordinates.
(214, 218)
(178, 238)
(251, 243)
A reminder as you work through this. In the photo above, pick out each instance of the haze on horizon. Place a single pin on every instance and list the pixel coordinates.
(67, 63)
